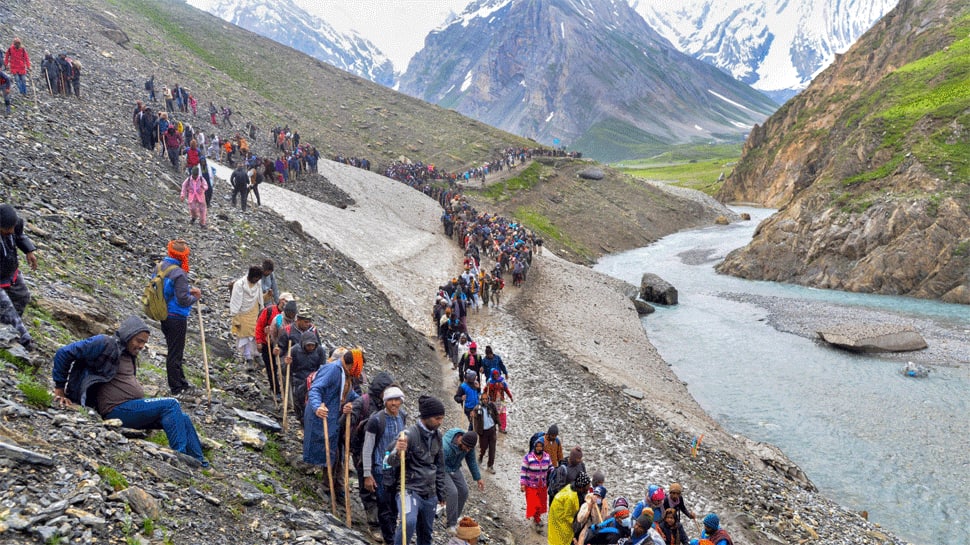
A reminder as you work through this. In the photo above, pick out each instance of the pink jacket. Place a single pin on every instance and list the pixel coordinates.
(193, 189)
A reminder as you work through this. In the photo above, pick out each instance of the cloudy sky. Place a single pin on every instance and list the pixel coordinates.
(396, 27)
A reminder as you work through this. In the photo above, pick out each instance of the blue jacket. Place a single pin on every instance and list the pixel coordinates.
(327, 388)
(471, 397)
(85, 363)
(177, 296)
(454, 455)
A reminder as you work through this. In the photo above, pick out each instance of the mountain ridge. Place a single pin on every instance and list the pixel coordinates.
(606, 83)
(284, 22)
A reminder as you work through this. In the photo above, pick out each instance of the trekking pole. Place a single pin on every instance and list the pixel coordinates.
(50, 88)
(347, 471)
(326, 443)
(404, 521)
(205, 357)
(286, 386)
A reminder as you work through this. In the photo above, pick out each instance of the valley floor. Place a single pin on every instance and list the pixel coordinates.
(573, 342)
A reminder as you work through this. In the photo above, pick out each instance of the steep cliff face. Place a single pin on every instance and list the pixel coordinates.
(590, 75)
(869, 166)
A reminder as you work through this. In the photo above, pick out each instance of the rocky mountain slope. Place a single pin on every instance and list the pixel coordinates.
(775, 46)
(285, 22)
(868, 166)
(589, 75)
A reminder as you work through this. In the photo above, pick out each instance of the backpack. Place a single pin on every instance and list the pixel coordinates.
(535, 437)
(604, 528)
(153, 298)
(357, 432)
(556, 479)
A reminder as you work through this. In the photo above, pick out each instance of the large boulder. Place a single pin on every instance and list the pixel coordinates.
(592, 173)
(654, 289)
(873, 337)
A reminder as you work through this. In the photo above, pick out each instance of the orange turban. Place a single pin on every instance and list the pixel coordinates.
(178, 249)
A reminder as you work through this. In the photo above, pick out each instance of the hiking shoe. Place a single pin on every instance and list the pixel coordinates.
(452, 530)
(491, 470)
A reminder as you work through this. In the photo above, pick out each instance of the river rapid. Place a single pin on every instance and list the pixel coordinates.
(869, 437)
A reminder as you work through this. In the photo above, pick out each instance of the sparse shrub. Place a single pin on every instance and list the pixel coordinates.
(36, 393)
(114, 479)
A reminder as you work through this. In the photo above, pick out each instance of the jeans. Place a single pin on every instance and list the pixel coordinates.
(387, 504)
(21, 83)
(456, 494)
(420, 518)
(162, 413)
(174, 330)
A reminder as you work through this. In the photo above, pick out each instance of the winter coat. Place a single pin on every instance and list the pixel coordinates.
(424, 463)
(17, 60)
(328, 386)
(193, 189)
(454, 455)
(89, 362)
(176, 289)
(9, 244)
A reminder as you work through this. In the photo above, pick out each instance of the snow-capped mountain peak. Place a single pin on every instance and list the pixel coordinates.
(776, 46)
(285, 22)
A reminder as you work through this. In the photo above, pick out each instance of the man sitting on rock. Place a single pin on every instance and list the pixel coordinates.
(99, 372)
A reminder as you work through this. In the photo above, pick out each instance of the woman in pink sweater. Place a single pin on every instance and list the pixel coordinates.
(193, 191)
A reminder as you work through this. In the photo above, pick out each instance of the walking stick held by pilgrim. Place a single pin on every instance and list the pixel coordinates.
(347, 471)
(326, 444)
(205, 357)
(286, 391)
(404, 516)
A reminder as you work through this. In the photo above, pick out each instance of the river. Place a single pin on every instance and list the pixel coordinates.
(867, 436)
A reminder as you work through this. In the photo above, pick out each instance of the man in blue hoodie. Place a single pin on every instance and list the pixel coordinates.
(459, 446)
(100, 372)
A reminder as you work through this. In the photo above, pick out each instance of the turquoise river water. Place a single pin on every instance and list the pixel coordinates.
(868, 437)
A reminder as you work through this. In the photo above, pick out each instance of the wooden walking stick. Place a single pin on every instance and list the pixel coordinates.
(326, 443)
(286, 392)
(404, 521)
(205, 357)
(347, 471)
(279, 375)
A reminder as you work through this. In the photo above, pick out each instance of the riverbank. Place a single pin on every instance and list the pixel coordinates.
(573, 341)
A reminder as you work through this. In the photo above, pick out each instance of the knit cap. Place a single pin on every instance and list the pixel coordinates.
(712, 521)
(393, 392)
(469, 439)
(429, 407)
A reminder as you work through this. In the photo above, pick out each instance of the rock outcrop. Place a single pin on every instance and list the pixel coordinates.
(873, 337)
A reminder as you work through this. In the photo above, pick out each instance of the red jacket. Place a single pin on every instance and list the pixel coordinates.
(17, 60)
(266, 317)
